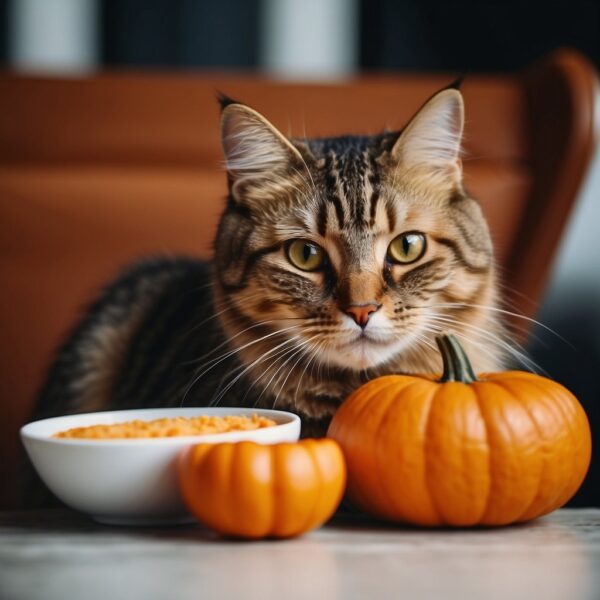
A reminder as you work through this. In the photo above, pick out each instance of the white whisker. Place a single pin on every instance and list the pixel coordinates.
(294, 351)
(519, 354)
(214, 362)
(247, 368)
(504, 312)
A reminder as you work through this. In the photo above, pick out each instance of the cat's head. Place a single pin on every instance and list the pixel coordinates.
(349, 251)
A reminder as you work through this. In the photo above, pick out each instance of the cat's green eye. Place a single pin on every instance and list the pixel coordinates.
(305, 255)
(406, 248)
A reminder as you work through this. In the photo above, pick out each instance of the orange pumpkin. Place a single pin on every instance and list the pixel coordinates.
(462, 450)
(254, 491)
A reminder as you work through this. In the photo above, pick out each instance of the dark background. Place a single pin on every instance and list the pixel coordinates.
(393, 35)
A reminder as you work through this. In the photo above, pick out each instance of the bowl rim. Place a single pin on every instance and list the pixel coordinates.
(290, 421)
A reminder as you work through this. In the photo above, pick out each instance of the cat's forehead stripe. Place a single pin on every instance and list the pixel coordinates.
(322, 218)
(352, 186)
(373, 187)
(390, 211)
(332, 190)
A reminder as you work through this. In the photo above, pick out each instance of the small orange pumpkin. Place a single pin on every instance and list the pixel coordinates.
(255, 491)
(463, 450)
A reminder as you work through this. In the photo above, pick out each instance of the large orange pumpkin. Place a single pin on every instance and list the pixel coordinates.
(462, 450)
(254, 491)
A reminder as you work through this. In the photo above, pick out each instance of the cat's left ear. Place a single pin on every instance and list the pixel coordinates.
(431, 140)
(255, 151)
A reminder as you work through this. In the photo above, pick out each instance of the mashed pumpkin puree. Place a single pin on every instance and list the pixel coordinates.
(168, 427)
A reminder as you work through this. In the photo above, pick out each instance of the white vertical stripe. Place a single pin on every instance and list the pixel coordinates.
(53, 35)
(309, 38)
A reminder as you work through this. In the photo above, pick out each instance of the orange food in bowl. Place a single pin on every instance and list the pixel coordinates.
(168, 427)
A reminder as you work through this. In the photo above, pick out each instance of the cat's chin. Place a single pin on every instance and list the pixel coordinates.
(363, 353)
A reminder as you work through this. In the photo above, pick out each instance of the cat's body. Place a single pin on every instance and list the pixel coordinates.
(152, 340)
(336, 260)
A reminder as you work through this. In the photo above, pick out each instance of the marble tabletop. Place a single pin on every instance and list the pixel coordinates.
(59, 555)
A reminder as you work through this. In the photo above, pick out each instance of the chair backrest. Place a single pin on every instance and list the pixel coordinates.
(96, 172)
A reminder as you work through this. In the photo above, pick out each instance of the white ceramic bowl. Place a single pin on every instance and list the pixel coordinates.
(131, 481)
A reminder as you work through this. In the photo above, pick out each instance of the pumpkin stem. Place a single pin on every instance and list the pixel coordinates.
(457, 366)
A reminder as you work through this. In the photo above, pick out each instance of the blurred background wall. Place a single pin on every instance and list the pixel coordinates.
(331, 39)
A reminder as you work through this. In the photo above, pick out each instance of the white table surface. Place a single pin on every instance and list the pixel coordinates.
(60, 555)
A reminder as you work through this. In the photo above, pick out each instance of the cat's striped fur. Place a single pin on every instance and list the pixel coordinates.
(251, 329)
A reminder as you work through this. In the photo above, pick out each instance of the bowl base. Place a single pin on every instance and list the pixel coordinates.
(147, 521)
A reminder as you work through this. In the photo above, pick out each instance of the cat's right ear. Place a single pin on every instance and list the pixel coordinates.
(430, 143)
(256, 153)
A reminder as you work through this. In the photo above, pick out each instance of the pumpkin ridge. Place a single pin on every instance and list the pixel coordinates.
(386, 492)
(266, 523)
(464, 452)
(488, 498)
(271, 528)
(232, 459)
(365, 407)
(378, 477)
(319, 476)
(277, 484)
(559, 402)
(494, 476)
(432, 497)
(229, 526)
(543, 470)
(565, 417)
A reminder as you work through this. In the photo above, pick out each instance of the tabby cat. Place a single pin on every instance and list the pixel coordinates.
(336, 260)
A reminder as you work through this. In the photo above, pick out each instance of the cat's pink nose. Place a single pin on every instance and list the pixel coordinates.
(361, 313)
